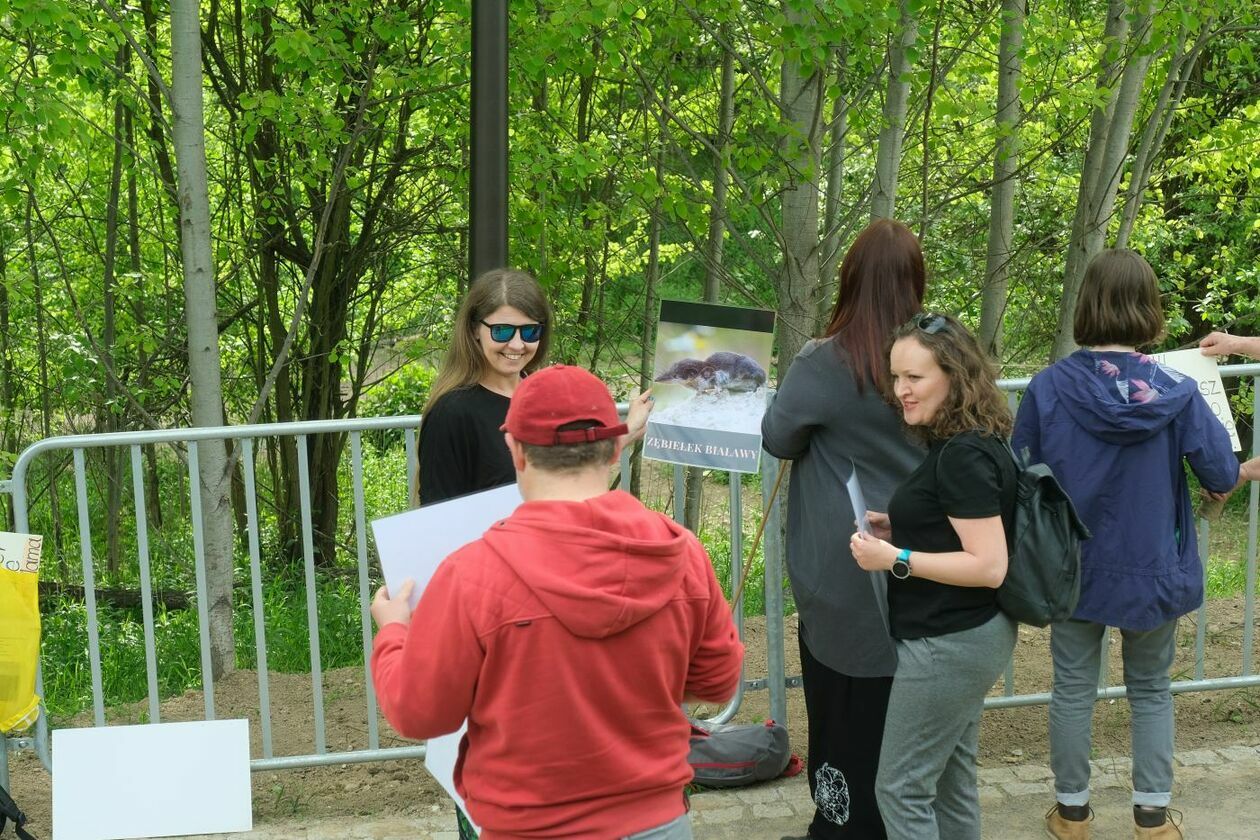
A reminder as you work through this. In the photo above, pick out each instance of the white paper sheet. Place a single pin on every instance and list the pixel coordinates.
(412, 545)
(153, 780)
(1204, 370)
(857, 499)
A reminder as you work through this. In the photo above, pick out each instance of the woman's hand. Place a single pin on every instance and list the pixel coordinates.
(636, 418)
(879, 524)
(1249, 471)
(872, 553)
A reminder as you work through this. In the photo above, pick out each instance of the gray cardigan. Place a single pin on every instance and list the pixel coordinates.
(821, 422)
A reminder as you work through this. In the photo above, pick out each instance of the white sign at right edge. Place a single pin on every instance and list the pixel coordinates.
(1203, 369)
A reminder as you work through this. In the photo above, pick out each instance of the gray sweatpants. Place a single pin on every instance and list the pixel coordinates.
(926, 785)
(678, 828)
(1076, 647)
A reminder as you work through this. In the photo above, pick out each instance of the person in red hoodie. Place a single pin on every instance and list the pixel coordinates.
(568, 636)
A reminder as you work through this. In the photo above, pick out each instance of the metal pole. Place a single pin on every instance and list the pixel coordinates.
(487, 202)
(772, 565)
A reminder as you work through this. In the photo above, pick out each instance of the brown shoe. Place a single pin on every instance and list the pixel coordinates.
(1060, 828)
(1169, 829)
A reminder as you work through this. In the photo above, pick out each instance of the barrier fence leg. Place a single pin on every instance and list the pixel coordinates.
(773, 570)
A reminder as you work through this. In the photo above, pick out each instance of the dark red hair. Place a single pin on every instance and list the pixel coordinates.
(881, 285)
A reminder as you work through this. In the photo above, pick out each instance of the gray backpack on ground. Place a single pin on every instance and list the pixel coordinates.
(725, 755)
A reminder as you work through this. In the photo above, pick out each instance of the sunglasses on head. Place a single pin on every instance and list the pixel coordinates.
(931, 323)
(502, 333)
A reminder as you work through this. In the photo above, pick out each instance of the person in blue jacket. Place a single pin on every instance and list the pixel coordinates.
(1115, 426)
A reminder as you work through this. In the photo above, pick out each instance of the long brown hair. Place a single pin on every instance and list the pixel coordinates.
(882, 280)
(974, 402)
(465, 364)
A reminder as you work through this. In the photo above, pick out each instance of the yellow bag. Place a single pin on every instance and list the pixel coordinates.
(19, 630)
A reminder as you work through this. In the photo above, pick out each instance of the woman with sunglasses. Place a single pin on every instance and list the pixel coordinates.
(500, 335)
(944, 546)
(830, 418)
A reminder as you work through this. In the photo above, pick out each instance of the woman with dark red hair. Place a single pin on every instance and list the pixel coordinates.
(830, 418)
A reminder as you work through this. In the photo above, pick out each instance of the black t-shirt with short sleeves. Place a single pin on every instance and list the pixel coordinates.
(969, 476)
(461, 448)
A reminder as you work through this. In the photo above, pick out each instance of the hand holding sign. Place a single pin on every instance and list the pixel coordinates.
(1203, 370)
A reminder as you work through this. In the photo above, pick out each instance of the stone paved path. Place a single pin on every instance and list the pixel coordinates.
(1217, 788)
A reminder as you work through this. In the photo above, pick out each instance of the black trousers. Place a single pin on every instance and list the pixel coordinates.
(846, 726)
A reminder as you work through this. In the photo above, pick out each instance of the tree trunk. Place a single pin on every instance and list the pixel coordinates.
(693, 481)
(11, 435)
(934, 76)
(107, 419)
(200, 311)
(651, 276)
(721, 178)
(1110, 129)
(153, 494)
(41, 341)
(828, 274)
(1005, 163)
(893, 124)
(1180, 68)
(796, 287)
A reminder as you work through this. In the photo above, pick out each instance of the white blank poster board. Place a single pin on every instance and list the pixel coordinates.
(153, 780)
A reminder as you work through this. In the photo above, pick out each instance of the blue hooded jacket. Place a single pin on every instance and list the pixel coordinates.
(1114, 427)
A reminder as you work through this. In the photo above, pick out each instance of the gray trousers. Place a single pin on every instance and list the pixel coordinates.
(926, 785)
(678, 828)
(1076, 647)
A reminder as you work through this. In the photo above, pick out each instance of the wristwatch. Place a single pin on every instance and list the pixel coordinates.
(901, 566)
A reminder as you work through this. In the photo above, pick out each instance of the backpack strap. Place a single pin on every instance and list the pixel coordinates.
(10, 811)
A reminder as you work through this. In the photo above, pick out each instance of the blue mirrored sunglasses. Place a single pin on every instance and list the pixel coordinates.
(931, 323)
(503, 333)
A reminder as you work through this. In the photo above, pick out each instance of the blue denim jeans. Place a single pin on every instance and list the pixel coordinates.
(1076, 647)
(678, 828)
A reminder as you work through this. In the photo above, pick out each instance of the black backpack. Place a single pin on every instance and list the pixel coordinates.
(10, 811)
(1043, 575)
(1043, 572)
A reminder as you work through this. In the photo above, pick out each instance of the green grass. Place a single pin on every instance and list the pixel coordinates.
(68, 685)
(1227, 553)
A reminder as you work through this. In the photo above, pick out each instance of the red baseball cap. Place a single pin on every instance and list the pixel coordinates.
(556, 396)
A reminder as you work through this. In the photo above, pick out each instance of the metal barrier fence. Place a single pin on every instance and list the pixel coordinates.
(245, 436)
(775, 681)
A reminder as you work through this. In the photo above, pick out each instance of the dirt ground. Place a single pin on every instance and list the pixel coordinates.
(1013, 736)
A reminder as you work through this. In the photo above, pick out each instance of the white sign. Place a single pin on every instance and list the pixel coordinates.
(1204, 370)
(20, 552)
(153, 780)
(412, 545)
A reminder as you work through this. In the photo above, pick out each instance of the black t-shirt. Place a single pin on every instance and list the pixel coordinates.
(461, 448)
(970, 476)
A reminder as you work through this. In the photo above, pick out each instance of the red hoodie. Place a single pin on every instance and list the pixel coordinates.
(567, 636)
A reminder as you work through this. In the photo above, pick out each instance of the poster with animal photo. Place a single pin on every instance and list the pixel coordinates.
(710, 385)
